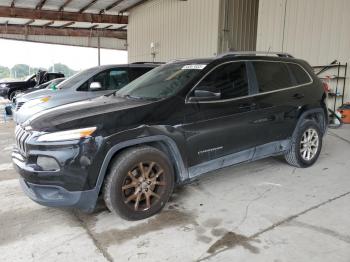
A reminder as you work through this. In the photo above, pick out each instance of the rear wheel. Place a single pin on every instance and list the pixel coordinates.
(306, 145)
(139, 183)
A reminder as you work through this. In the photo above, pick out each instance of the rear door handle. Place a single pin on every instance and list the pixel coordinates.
(298, 96)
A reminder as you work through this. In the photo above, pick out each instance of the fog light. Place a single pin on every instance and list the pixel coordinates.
(47, 163)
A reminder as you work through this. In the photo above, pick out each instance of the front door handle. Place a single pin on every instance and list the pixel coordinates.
(298, 96)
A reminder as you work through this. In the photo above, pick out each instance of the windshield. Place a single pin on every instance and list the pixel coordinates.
(161, 82)
(78, 77)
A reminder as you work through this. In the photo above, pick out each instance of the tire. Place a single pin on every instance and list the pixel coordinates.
(295, 156)
(126, 184)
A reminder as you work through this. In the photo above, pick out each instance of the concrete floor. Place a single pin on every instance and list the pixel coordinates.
(262, 211)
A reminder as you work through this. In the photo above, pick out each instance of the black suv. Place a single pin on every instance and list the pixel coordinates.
(169, 126)
(9, 89)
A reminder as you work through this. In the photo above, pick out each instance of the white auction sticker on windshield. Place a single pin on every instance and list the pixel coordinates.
(196, 67)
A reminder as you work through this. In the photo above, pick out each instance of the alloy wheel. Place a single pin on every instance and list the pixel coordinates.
(143, 186)
(309, 144)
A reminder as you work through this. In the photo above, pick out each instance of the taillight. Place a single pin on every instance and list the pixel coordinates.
(326, 87)
(326, 84)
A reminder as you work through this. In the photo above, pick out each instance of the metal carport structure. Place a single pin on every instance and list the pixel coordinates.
(90, 23)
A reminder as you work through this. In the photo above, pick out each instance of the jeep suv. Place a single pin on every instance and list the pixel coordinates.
(168, 127)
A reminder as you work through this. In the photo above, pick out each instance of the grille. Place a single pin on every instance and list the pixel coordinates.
(19, 105)
(22, 137)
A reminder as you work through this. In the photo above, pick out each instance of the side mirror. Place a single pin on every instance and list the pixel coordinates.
(95, 86)
(204, 95)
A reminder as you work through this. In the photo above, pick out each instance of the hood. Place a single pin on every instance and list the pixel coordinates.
(35, 94)
(105, 110)
(38, 101)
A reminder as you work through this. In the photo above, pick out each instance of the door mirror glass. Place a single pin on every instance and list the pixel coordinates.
(204, 95)
(95, 86)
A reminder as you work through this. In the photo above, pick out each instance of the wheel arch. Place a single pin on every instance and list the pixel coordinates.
(161, 142)
(317, 114)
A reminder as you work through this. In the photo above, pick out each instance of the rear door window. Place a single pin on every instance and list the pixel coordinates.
(272, 76)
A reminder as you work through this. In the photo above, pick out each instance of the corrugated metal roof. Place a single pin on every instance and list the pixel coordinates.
(74, 5)
(97, 7)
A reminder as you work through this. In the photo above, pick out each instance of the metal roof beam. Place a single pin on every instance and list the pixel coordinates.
(49, 23)
(132, 6)
(111, 6)
(39, 30)
(87, 6)
(66, 24)
(29, 22)
(64, 5)
(61, 16)
(40, 4)
(93, 27)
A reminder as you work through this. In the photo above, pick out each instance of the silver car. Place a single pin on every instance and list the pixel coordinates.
(87, 84)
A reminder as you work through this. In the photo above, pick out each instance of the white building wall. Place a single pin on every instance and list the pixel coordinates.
(315, 30)
(178, 29)
(238, 25)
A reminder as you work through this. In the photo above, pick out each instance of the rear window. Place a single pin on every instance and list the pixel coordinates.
(301, 77)
(272, 76)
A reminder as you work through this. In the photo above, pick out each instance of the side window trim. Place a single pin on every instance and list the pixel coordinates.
(291, 75)
(252, 95)
(253, 82)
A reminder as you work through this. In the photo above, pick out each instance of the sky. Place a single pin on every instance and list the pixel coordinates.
(44, 55)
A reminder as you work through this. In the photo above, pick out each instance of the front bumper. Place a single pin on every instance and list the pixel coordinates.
(71, 184)
(55, 196)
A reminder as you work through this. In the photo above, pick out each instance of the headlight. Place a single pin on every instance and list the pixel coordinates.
(4, 85)
(67, 135)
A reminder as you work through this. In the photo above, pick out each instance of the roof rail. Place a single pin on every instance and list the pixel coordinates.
(264, 53)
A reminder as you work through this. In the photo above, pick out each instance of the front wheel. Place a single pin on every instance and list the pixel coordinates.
(306, 145)
(139, 183)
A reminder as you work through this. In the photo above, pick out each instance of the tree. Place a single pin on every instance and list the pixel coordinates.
(4, 72)
(61, 68)
(20, 71)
